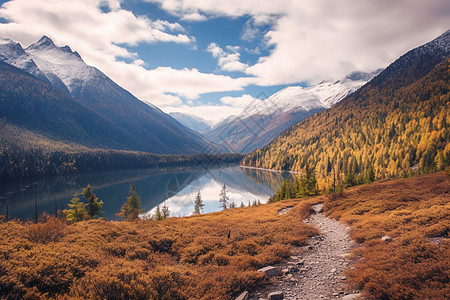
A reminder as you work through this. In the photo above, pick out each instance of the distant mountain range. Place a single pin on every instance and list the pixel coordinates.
(59, 96)
(192, 122)
(395, 125)
(263, 121)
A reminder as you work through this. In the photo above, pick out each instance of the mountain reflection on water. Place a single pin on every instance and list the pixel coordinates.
(175, 188)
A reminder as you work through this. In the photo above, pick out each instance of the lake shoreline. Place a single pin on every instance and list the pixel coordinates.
(270, 170)
(174, 186)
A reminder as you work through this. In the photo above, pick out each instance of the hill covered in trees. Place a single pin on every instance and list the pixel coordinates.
(396, 125)
(58, 95)
(45, 131)
(25, 154)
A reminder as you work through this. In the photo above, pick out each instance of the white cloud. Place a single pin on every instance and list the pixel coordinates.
(307, 40)
(312, 40)
(249, 32)
(227, 60)
(98, 36)
(211, 113)
(193, 17)
(241, 101)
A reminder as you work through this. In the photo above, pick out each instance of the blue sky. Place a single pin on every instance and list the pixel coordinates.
(212, 58)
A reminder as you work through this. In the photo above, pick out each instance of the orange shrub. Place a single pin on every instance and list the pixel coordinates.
(410, 211)
(51, 230)
(178, 258)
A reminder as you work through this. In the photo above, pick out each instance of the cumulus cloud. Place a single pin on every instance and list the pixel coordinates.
(216, 113)
(241, 101)
(249, 32)
(313, 40)
(228, 60)
(308, 40)
(99, 35)
(211, 113)
(193, 17)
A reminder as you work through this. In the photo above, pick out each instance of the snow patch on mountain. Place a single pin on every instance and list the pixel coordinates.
(292, 98)
(331, 93)
(320, 96)
(13, 54)
(60, 62)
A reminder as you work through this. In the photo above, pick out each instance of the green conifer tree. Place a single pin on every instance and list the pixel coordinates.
(165, 212)
(158, 215)
(223, 197)
(77, 211)
(93, 205)
(198, 204)
(132, 207)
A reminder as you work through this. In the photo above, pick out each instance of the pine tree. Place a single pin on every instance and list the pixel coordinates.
(158, 216)
(165, 212)
(93, 206)
(198, 204)
(242, 205)
(223, 200)
(132, 207)
(233, 205)
(77, 211)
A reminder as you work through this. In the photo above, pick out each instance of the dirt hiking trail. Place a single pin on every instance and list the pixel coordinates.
(315, 271)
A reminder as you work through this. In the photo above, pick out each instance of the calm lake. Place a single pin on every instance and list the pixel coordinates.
(175, 188)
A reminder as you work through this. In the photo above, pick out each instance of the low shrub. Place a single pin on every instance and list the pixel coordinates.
(178, 258)
(411, 212)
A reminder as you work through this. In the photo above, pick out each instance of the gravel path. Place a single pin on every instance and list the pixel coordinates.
(320, 265)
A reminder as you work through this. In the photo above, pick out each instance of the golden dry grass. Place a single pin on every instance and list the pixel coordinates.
(415, 213)
(178, 258)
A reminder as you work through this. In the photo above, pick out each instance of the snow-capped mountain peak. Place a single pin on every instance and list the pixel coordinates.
(331, 93)
(12, 53)
(320, 96)
(291, 98)
(43, 43)
(60, 64)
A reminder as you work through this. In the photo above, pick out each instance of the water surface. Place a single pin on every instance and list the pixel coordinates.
(175, 188)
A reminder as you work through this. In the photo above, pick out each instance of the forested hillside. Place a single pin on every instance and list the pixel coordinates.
(25, 154)
(396, 125)
(71, 101)
(29, 103)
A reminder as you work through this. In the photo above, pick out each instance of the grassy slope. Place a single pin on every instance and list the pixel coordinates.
(415, 213)
(178, 258)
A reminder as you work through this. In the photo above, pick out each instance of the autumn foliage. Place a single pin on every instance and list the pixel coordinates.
(177, 258)
(384, 130)
(415, 213)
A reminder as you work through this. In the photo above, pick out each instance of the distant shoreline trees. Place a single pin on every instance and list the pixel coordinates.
(304, 186)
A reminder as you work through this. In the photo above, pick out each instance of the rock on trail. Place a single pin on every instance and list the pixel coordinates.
(315, 271)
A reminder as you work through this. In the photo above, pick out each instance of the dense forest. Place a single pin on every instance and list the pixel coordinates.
(396, 125)
(25, 154)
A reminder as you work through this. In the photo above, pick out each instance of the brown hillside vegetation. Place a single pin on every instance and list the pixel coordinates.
(178, 258)
(415, 213)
